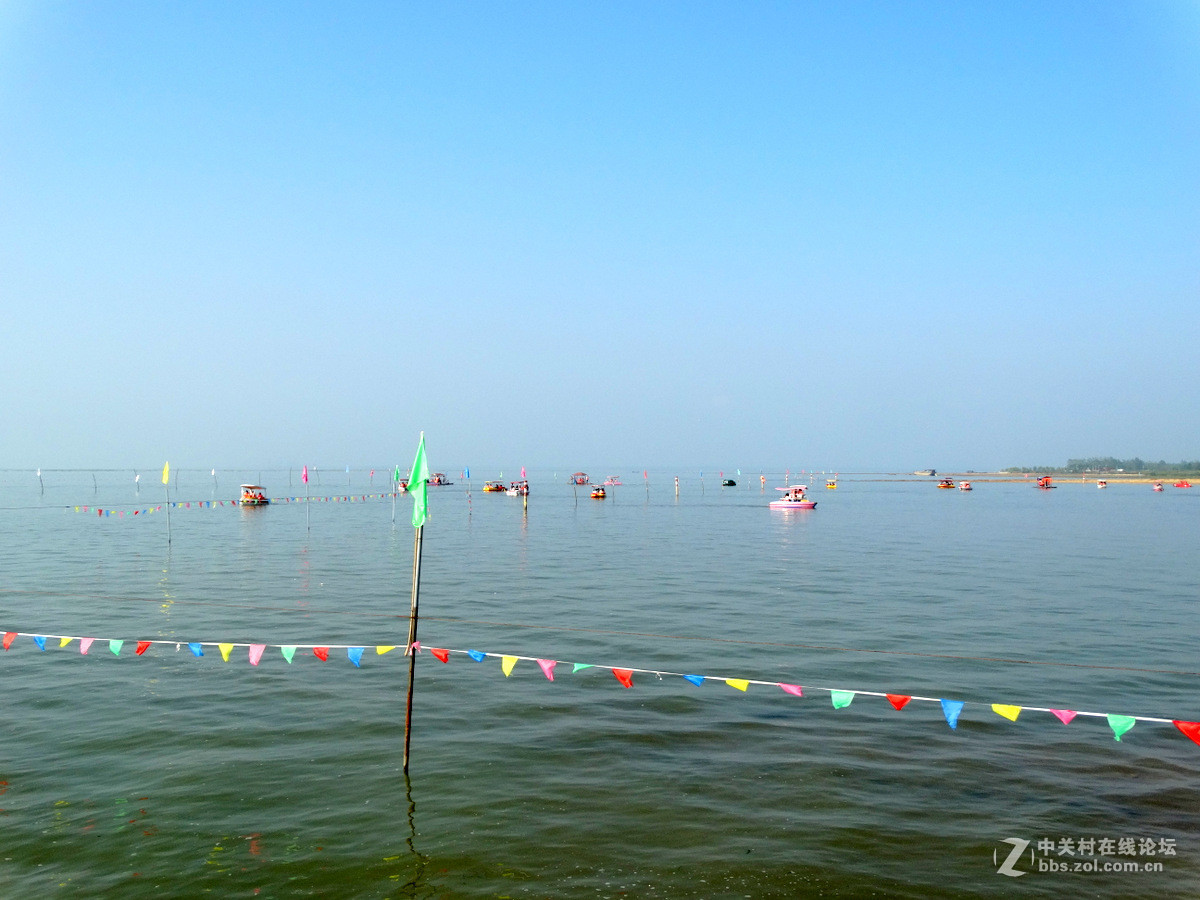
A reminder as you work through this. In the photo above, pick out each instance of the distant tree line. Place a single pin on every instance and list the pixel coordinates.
(1108, 465)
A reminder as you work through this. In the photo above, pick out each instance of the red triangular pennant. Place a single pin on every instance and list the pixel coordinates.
(142, 647)
(9, 637)
(625, 676)
(1191, 729)
(898, 700)
(321, 653)
(443, 655)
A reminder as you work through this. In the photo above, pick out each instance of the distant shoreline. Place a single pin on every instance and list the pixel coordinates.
(1088, 478)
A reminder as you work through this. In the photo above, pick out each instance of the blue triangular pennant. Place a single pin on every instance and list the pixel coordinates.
(952, 708)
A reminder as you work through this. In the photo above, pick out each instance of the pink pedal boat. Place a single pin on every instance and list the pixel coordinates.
(793, 498)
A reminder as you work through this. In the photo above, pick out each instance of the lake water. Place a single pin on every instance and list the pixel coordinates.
(168, 774)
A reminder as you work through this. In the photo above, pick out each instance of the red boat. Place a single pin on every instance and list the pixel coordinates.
(1183, 483)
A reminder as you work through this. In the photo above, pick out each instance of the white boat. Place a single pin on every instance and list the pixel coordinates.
(965, 486)
(252, 495)
(793, 498)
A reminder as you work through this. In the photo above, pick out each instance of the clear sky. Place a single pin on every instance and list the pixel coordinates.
(858, 236)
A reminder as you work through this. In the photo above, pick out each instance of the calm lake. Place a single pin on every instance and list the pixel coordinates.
(172, 774)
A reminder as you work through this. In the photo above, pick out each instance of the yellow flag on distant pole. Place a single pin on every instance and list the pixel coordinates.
(167, 490)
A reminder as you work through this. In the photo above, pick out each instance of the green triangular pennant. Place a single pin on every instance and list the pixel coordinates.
(841, 699)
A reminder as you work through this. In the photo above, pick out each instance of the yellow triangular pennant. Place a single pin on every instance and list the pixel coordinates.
(507, 663)
(383, 648)
(1009, 712)
(225, 649)
(740, 683)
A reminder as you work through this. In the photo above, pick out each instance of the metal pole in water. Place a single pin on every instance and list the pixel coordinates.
(166, 480)
(412, 639)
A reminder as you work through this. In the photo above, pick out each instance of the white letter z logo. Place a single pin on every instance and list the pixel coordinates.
(1006, 867)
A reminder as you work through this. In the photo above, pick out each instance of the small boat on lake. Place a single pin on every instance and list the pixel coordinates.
(1101, 483)
(947, 484)
(252, 495)
(518, 489)
(439, 479)
(1158, 486)
(612, 481)
(831, 484)
(1044, 484)
(579, 478)
(1183, 483)
(965, 486)
(598, 492)
(728, 482)
(793, 498)
(493, 487)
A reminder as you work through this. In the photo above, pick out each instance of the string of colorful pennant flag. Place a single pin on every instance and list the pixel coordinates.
(840, 698)
(106, 511)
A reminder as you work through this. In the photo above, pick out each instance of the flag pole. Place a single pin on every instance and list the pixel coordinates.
(166, 480)
(417, 487)
(412, 639)
(307, 502)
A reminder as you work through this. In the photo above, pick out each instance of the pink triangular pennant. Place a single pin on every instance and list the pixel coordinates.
(416, 647)
(443, 655)
(1064, 715)
(547, 667)
(256, 652)
(84, 644)
(794, 689)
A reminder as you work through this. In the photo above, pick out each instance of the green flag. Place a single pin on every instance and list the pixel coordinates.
(417, 487)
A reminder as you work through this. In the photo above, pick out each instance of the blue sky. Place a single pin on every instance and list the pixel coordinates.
(851, 236)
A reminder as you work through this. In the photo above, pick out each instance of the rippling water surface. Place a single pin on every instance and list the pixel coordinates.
(172, 775)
